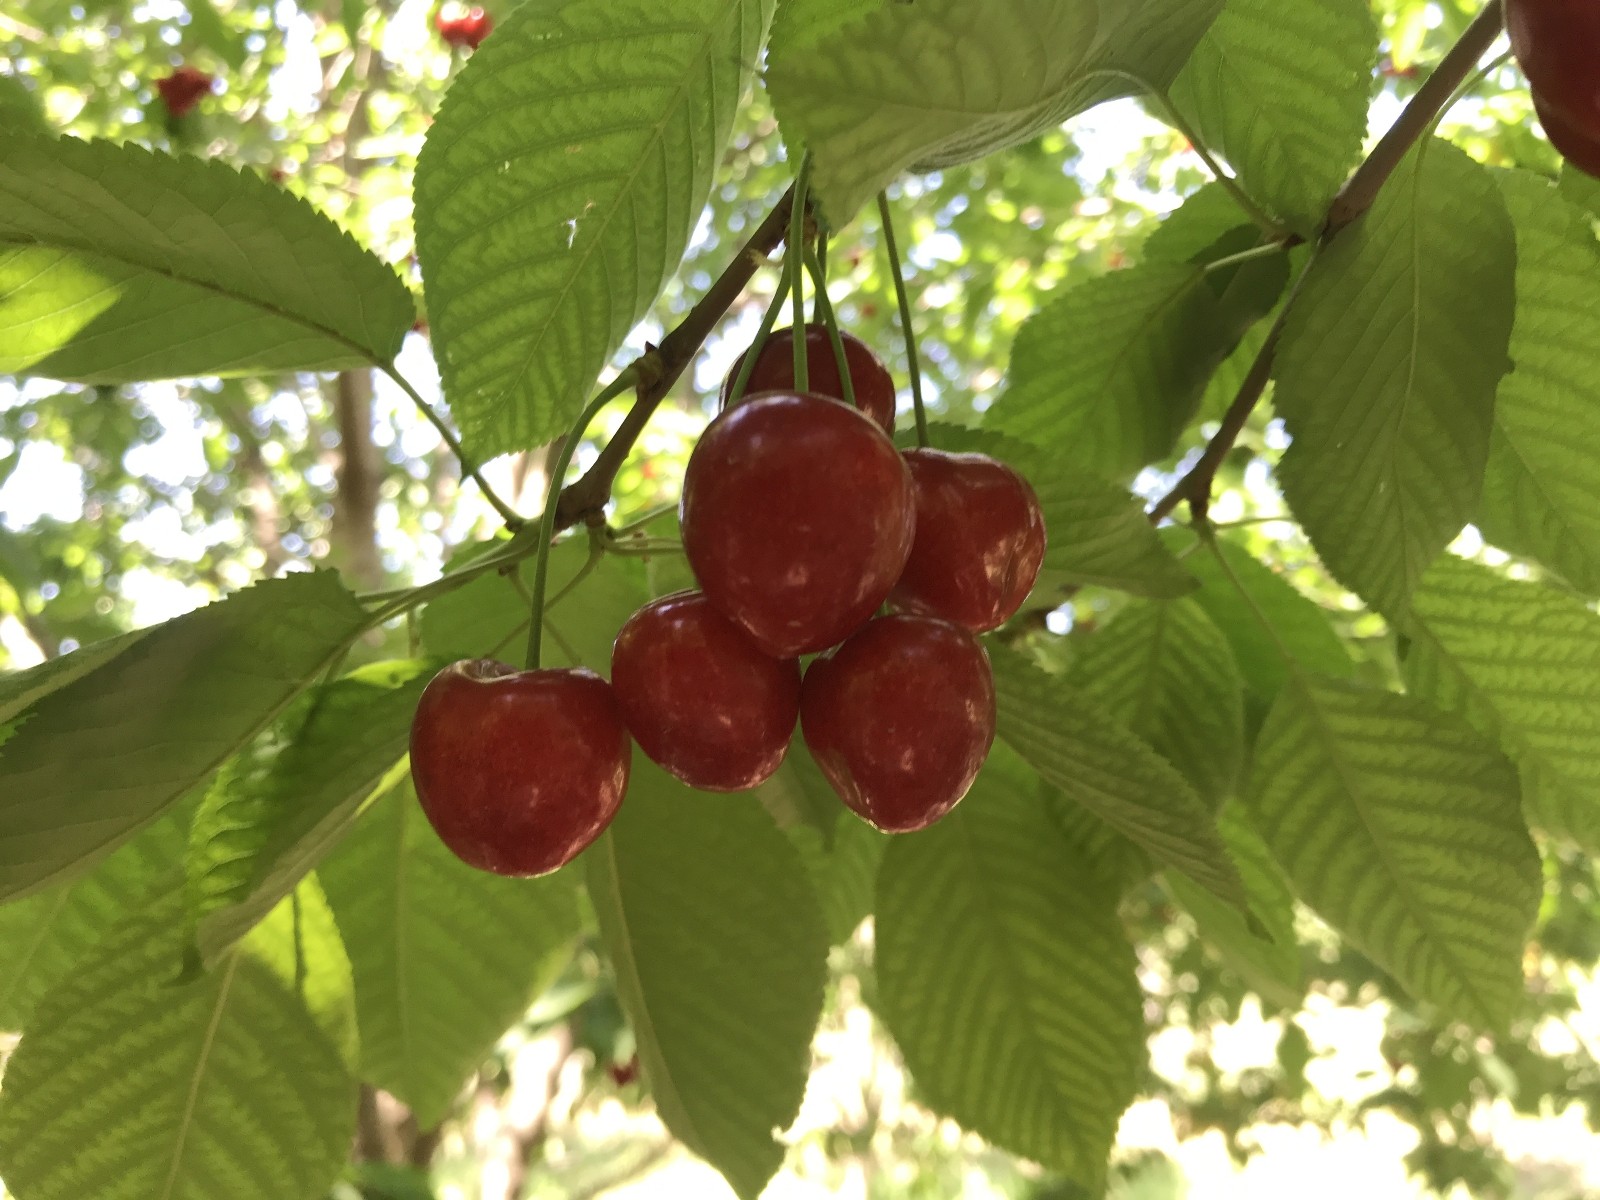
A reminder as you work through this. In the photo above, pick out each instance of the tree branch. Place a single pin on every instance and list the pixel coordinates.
(1362, 188)
(661, 366)
(1353, 200)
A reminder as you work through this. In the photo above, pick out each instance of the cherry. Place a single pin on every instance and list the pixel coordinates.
(980, 540)
(467, 31)
(797, 518)
(518, 771)
(182, 90)
(900, 719)
(1557, 42)
(774, 372)
(1578, 147)
(700, 698)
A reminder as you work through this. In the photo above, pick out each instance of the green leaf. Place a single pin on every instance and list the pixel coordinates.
(278, 807)
(1300, 625)
(1388, 369)
(1164, 672)
(1269, 965)
(1401, 826)
(1006, 979)
(1527, 659)
(942, 82)
(1097, 531)
(557, 190)
(20, 689)
(1279, 88)
(1109, 374)
(43, 936)
(489, 616)
(97, 759)
(798, 796)
(1541, 492)
(719, 950)
(120, 264)
(1063, 735)
(844, 872)
(238, 1084)
(20, 106)
(446, 958)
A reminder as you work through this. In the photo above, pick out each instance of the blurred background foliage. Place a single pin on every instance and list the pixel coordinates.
(122, 507)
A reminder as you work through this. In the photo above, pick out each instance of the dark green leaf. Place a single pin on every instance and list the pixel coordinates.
(719, 949)
(1165, 673)
(557, 191)
(1064, 736)
(238, 1084)
(446, 958)
(1268, 961)
(1387, 373)
(119, 264)
(1401, 826)
(941, 82)
(1541, 491)
(1109, 374)
(1523, 660)
(1279, 88)
(1006, 979)
(96, 760)
(278, 807)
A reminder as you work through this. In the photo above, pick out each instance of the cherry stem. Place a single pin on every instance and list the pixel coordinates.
(795, 256)
(508, 514)
(1421, 111)
(913, 363)
(547, 522)
(830, 322)
(741, 381)
(820, 275)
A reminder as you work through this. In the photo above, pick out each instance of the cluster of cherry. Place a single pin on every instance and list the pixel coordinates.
(800, 520)
(1557, 42)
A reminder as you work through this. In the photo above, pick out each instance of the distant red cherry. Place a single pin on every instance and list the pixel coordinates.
(700, 697)
(980, 540)
(466, 31)
(797, 519)
(624, 1073)
(774, 371)
(1575, 145)
(518, 771)
(1557, 43)
(182, 90)
(900, 719)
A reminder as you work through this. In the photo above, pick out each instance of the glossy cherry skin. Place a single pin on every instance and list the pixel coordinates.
(467, 31)
(700, 698)
(980, 540)
(1576, 146)
(1557, 42)
(182, 90)
(774, 372)
(797, 519)
(900, 719)
(518, 771)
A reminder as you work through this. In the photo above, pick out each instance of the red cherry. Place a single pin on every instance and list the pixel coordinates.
(797, 518)
(1557, 42)
(900, 719)
(518, 771)
(980, 540)
(624, 1073)
(466, 31)
(700, 698)
(1576, 146)
(182, 90)
(774, 372)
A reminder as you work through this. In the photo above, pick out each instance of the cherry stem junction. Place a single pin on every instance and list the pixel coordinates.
(913, 363)
(547, 522)
(830, 322)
